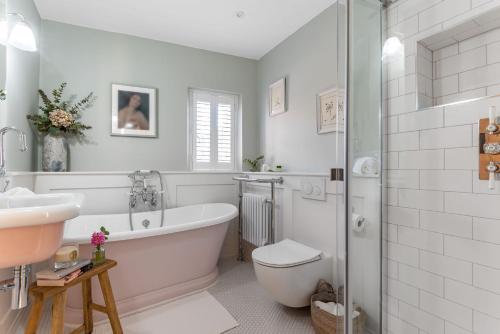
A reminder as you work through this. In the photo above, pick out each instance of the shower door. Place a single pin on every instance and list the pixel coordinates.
(359, 255)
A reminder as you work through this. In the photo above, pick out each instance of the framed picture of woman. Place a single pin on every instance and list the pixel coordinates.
(133, 111)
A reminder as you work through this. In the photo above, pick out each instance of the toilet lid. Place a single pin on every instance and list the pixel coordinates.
(286, 253)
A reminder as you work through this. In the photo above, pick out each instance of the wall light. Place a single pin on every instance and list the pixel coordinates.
(393, 48)
(21, 35)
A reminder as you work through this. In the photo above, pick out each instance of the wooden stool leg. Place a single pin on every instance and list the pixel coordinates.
(35, 315)
(88, 321)
(58, 306)
(109, 299)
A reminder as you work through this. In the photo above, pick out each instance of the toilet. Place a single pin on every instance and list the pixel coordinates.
(290, 271)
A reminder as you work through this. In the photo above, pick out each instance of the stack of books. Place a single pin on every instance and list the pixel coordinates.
(60, 277)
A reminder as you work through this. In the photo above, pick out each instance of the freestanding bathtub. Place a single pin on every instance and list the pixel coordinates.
(155, 263)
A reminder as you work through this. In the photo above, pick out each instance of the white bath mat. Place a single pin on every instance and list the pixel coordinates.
(200, 313)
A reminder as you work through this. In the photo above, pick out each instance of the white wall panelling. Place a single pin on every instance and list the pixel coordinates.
(309, 221)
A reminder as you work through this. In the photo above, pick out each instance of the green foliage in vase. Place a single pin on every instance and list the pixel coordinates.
(106, 232)
(59, 116)
(3, 96)
(253, 165)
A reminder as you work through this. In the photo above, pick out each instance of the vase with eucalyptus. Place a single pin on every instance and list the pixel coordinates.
(57, 123)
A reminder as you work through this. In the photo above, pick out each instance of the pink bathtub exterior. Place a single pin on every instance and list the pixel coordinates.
(153, 269)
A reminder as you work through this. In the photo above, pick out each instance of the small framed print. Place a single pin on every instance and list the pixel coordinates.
(133, 111)
(277, 97)
(330, 111)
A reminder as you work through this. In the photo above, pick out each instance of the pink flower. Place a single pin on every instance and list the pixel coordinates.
(98, 239)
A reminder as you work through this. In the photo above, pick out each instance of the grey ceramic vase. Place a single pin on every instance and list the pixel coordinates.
(55, 154)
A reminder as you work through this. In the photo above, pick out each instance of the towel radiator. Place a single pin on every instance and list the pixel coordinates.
(272, 202)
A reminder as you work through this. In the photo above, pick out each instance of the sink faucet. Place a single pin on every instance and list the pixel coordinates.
(21, 136)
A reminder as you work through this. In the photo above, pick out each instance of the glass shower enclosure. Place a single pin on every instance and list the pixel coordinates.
(360, 238)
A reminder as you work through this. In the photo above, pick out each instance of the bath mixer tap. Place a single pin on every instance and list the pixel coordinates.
(144, 190)
(21, 145)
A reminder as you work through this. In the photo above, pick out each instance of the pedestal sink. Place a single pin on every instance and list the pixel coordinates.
(31, 227)
(31, 230)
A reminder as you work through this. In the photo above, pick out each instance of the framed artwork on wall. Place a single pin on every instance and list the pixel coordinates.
(330, 111)
(277, 97)
(133, 111)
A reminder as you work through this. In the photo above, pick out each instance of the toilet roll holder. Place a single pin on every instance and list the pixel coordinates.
(358, 223)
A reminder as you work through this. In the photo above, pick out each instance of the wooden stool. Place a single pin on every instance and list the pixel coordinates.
(59, 293)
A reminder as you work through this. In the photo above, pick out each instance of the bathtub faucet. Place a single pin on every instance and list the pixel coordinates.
(143, 189)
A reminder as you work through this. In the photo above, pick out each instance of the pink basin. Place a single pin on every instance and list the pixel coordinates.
(32, 227)
(30, 244)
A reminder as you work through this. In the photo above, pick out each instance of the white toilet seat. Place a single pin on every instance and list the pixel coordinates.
(285, 254)
(290, 271)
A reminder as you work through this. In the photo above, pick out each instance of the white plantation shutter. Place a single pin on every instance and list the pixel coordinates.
(203, 126)
(213, 129)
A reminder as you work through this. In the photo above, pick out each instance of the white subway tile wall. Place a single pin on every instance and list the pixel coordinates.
(442, 254)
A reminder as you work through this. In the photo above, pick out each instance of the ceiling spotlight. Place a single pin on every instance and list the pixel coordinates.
(240, 14)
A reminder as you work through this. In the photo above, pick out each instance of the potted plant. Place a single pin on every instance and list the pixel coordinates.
(253, 165)
(97, 240)
(58, 122)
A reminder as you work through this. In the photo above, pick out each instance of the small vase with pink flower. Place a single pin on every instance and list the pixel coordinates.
(97, 240)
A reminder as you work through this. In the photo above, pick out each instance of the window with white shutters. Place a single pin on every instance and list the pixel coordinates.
(213, 129)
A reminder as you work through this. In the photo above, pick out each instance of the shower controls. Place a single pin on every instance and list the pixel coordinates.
(492, 124)
(489, 148)
(492, 168)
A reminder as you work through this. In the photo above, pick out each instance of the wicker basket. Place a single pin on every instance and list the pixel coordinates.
(327, 323)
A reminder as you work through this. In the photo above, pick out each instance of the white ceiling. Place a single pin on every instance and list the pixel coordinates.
(205, 24)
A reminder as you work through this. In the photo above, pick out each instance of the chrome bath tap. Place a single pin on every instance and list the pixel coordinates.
(144, 190)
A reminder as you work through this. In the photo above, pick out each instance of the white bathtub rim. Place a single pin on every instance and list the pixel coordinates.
(137, 234)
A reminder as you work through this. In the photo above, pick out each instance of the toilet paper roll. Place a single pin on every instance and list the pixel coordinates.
(358, 223)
